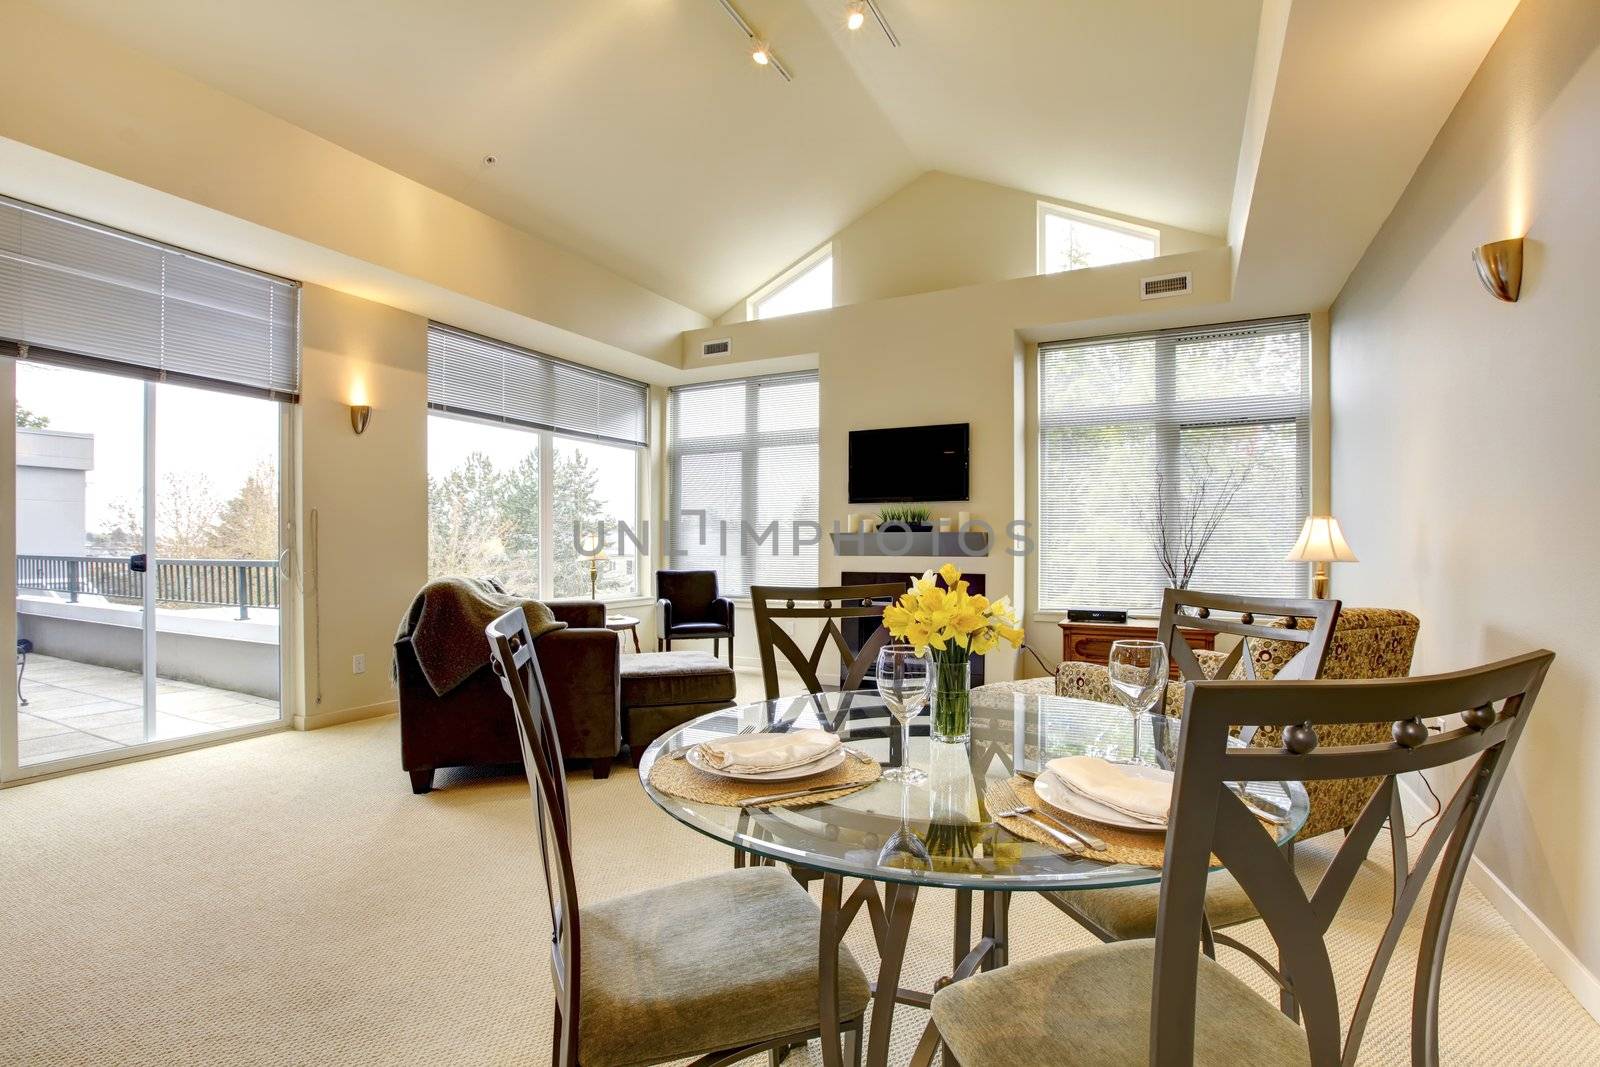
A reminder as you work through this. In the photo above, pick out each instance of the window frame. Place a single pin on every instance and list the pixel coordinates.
(720, 444)
(1169, 419)
(545, 440)
(1046, 209)
(783, 280)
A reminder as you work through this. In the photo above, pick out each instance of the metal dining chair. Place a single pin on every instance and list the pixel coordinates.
(775, 604)
(719, 968)
(1130, 912)
(1161, 1001)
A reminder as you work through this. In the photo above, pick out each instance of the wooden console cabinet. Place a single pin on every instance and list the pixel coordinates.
(1090, 642)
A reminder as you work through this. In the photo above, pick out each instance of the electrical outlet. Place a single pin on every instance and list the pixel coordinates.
(358, 663)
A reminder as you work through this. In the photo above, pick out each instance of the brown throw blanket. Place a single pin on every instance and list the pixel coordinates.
(446, 623)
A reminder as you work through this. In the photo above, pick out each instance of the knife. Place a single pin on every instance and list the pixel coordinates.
(770, 798)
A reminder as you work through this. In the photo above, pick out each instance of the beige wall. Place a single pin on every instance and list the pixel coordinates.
(943, 232)
(1465, 440)
(958, 355)
(86, 98)
(370, 494)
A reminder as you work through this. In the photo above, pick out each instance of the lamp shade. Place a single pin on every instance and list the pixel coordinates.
(1321, 541)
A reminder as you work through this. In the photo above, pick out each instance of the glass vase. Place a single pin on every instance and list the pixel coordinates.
(950, 698)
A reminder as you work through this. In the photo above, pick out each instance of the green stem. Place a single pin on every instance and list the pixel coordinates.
(952, 698)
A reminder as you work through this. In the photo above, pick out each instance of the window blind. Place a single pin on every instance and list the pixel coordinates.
(1192, 424)
(76, 292)
(745, 454)
(488, 379)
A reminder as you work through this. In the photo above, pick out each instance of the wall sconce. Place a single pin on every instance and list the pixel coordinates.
(1499, 266)
(359, 414)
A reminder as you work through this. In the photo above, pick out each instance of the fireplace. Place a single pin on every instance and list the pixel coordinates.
(857, 631)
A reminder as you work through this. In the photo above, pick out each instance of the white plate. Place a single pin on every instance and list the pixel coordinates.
(822, 763)
(1054, 792)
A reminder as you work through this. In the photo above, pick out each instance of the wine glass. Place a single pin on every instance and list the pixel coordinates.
(904, 849)
(903, 684)
(1138, 673)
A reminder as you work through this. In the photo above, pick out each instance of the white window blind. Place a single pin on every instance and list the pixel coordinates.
(1134, 427)
(488, 379)
(745, 454)
(76, 292)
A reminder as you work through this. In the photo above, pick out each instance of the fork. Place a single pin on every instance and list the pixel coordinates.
(1017, 809)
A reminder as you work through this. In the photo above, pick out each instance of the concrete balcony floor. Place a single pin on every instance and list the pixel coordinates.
(75, 709)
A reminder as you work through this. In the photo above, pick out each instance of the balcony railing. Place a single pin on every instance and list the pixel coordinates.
(206, 583)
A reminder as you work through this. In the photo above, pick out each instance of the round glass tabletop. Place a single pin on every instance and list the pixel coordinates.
(965, 848)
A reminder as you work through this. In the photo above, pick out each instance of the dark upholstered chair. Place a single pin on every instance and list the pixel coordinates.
(470, 724)
(719, 968)
(1161, 1000)
(689, 609)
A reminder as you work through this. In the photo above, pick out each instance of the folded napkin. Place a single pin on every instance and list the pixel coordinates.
(768, 752)
(1145, 799)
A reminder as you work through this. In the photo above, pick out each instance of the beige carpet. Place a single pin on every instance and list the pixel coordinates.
(286, 900)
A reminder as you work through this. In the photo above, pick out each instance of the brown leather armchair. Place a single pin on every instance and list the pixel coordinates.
(471, 724)
(690, 610)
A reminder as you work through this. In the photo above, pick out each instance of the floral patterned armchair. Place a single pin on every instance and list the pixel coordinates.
(1366, 643)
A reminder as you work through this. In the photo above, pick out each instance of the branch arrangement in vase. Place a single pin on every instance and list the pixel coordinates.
(1182, 520)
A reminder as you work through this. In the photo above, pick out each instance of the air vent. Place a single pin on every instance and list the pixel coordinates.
(1165, 285)
(715, 349)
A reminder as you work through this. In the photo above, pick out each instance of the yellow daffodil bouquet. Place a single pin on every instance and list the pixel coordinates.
(949, 624)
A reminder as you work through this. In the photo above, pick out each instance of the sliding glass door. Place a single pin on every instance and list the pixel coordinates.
(153, 388)
(148, 592)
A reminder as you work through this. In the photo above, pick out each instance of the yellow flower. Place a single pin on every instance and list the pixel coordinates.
(897, 619)
(930, 616)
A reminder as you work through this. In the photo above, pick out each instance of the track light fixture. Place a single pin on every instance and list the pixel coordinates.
(760, 51)
(855, 16)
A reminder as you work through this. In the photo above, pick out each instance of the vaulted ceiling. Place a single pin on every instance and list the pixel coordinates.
(639, 134)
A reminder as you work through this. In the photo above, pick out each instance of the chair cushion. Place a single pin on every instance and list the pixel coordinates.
(714, 963)
(1092, 1006)
(651, 678)
(1130, 912)
(692, 629)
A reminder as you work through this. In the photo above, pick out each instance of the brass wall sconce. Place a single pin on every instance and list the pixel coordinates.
(1499, 266)
(359, 414)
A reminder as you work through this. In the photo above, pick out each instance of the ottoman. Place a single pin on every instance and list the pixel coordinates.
(662, 690)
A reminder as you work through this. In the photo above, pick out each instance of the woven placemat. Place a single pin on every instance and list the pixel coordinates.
(680, 779)
(1140, 848)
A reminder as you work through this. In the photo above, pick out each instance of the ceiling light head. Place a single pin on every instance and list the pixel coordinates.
(855, 14)
(761, 53)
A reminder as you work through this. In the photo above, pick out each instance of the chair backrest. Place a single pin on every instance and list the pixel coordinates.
(1191, 609)
(691, 593)
(1207, 818)
(511, 653)
(832, 603)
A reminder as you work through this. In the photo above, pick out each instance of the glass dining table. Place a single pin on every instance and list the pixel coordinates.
(899, 838)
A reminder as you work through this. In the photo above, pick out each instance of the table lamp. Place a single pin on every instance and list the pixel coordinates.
(593, 549)
(1321, 542)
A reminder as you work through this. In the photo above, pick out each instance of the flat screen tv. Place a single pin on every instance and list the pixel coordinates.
(910, 464)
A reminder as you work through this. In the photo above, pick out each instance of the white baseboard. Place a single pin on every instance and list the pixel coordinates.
(318, 719)
(1551, 950)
